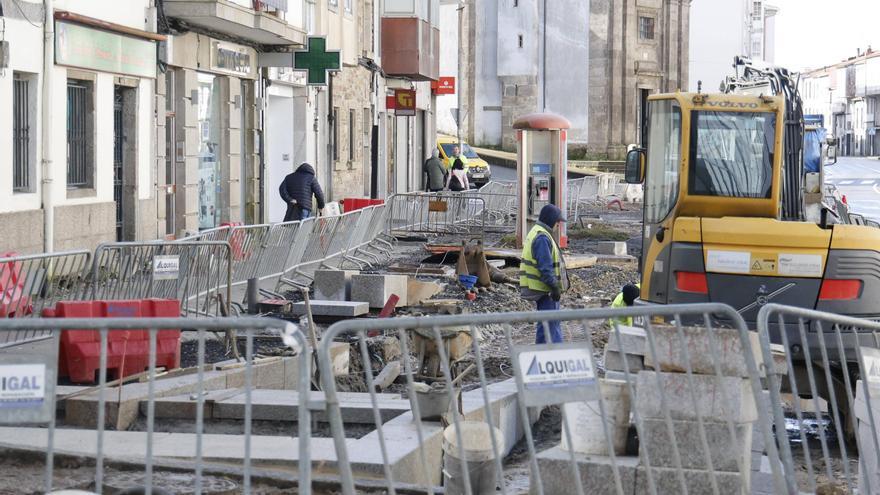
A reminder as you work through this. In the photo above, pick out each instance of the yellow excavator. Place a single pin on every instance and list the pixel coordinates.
(728, 215)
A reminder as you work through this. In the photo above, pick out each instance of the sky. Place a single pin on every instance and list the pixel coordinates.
(816, 33)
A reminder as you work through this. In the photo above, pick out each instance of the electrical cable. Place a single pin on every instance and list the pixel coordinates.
(23, 15)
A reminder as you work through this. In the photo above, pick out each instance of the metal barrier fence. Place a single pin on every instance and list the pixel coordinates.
(198, 274)
(687, 443)
(828, 420)
(43, 410)
(436, 213)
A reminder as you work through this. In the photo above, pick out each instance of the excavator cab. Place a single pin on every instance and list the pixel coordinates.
(724, 220)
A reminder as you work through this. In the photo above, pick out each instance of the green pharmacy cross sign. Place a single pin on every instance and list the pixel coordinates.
(317, 60)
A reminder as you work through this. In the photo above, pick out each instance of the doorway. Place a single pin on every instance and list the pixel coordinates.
(124, 161)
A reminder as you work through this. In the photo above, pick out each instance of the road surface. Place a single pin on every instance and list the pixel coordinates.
(859, 180)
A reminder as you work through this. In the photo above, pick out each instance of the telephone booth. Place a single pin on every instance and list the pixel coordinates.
(541, 169)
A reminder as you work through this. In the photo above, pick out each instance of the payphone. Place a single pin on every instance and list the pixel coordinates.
(542, 169)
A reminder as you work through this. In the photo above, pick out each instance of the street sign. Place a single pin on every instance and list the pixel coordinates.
(443, 86)
(317, 60)
(404, 102)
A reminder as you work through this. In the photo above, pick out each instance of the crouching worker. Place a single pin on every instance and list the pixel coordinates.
(625, 299)
(542, 276)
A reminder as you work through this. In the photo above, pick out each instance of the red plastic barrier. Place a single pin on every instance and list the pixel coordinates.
(13, 301)
(235, 240)
(128, 351)
(351, 204)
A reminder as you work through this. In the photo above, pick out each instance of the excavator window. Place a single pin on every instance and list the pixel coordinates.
(663, 160)
(731, 154)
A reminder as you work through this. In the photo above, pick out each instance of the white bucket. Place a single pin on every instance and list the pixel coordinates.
(585, 421)
(478, 454)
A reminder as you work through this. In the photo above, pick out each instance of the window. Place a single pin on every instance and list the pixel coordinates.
(664, 151)
(351, 134)
(23, 140)
(731, 154)
(520, 41)
(516, 3)
(80, 134)
(333, 3)
(646, 28)
(335, 133)
(349, 6)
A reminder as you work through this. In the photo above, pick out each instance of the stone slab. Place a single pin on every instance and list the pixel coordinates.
(614, 361)
(725, 453)
(632, 340)
(717, 399)
(666, 480)
(728, 349)
(615, 248)
(596, 473)
(333, 285)
(340, 357)
(376, 289)
(574, 262)
(418, 291)
(340, 309)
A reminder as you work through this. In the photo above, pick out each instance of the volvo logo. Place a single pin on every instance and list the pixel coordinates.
(763, 296)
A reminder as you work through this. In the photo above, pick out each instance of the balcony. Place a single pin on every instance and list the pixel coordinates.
(235, 18)
(411, 39)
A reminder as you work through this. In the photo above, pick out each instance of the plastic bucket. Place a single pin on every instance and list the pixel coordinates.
(585, 421)
(478, 456)
(432, 404)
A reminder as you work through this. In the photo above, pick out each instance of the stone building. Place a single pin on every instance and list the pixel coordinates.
(593, 62)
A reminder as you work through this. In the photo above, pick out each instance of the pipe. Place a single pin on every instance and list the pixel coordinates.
(46, 128)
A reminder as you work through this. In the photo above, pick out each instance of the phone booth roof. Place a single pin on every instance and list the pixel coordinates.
(541, 121)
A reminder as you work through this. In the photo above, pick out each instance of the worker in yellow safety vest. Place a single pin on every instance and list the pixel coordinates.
(625, 299)
(456, 155)
(542, 275)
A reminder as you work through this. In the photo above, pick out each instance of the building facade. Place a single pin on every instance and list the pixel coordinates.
(76, 124)
(605, 58)
(847, 95)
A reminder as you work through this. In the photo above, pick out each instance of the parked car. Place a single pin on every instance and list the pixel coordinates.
(478, 170)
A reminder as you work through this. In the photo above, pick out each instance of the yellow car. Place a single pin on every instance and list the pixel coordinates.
(478, 170)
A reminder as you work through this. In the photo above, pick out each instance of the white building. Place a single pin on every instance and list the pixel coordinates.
(76, 124)
(723, 29)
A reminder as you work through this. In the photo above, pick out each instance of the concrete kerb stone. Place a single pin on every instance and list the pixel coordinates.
(728, 350)
(596, 472)
(376, 289)
(333, 285)
(633, 340)
(654, 437)
(718, 399)
(697, 481)
(615, 248)
(321, 307)
(613, 361)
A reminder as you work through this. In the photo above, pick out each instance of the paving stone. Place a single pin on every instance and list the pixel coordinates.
(730, 399)
(666, 480)
(615, 248)
(596, 473)
(654, 436)
(340, 356)
(376, 289)
(321, 307)
(333, 285)
(728, 350)
(613, 361)
(632, 339)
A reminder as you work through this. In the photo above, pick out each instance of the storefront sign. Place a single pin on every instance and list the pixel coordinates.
(317, 60)
(404, 102)
(443, 86)
(86, 48)
(231, 59)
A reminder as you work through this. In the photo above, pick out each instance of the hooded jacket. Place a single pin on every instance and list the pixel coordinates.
(300, 186)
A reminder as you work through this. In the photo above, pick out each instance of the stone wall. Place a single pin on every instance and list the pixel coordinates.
(351, 92)
(22, 231)
(84, 226)
(519, 96)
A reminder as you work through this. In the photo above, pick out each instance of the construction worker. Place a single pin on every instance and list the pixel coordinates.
(456, 155)
(542, 276)
(627, 297)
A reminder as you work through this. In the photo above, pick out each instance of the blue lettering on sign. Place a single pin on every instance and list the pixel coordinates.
(18, 383)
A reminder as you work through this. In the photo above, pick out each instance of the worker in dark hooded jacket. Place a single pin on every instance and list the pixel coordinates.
(297, 190)
(542, 276)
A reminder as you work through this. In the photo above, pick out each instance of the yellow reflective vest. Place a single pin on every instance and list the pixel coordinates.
(451, 161)
(529, 275)
(618, 302)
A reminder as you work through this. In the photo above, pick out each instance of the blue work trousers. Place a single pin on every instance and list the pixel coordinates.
(546, 303)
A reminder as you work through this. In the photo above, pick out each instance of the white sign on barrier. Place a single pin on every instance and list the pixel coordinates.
(556, 373)
(22, 385)
(166, 267)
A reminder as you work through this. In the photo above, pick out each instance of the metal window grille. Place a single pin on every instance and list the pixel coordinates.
(117, 159)
(21, 138)
(78, 162)
(336, 134)
(646, 28)
(351, 137)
